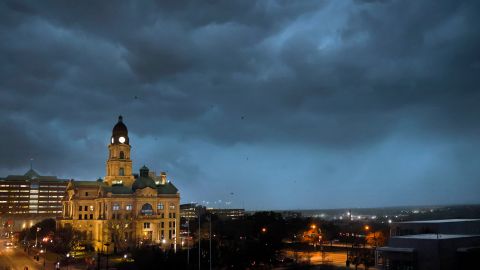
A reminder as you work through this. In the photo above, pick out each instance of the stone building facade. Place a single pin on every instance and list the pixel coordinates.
(124, 209)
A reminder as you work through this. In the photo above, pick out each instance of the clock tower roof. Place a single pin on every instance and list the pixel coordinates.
(120, 129)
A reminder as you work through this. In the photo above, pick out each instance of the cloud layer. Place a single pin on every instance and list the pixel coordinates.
(285, 104)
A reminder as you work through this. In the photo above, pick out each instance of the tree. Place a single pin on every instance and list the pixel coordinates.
(375, 238)
(67, 239)
(120, 230)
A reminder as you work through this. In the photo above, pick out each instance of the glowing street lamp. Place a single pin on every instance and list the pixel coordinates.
(36, 236)
(264, 230)
(66, 262)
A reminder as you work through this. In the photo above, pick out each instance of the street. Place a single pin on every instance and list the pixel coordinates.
(16, 259)
(335, 258)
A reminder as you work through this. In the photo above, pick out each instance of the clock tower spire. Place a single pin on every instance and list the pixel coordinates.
(119, 164)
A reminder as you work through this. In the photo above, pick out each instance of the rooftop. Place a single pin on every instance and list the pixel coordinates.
(439, 221)
(33, 175)
(396, 249)
(434, 236)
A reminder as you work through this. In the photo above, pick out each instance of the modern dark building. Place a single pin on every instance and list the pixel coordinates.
(227, 213)
(191, 210)
(31, 197)
(432, 244)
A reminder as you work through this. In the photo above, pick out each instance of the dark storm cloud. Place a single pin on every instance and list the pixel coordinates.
(323, 83)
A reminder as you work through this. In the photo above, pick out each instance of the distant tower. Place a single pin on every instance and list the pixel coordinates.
(119, 164)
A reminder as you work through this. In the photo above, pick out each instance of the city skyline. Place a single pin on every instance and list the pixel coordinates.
(268, 105)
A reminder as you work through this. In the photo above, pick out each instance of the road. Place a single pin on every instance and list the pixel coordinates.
(336, 258)
(16, 259)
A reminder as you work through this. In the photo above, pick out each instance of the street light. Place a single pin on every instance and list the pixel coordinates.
(36, 236)
(44, 255)
(107, 245)
(366, 234)
(68, 256)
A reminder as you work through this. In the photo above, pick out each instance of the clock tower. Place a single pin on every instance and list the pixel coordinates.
(119, 164)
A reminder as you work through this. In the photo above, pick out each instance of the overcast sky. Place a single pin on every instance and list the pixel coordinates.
(268, 104)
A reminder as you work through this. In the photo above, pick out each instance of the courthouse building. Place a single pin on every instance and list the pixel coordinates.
(124, 209)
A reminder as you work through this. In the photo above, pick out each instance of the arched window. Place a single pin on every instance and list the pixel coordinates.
(122, 155)
(121, 172)
(147, 209)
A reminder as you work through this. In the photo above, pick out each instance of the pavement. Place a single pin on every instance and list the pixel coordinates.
(17, 259)
(335, 258)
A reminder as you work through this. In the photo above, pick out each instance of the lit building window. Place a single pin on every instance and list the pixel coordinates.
(147, 209)
(172, 206)
(129, 207)
(160, 206)
(116, 207)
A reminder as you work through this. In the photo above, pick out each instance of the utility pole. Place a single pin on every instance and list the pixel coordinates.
(188, 244)
(36, 236)
(199, 240)
(210, 234)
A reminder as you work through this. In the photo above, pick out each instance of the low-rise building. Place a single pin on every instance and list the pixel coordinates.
(227, 213)
(435, 244)
(191, 210)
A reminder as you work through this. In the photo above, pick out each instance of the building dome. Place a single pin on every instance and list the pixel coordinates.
(120, 131)
(143, 182)
(120, 128)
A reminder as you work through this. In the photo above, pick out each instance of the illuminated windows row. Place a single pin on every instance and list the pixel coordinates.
(85, 216)
(85, 207)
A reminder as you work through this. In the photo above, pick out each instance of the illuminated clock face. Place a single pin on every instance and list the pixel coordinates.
(121, 139)
(112, 140)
